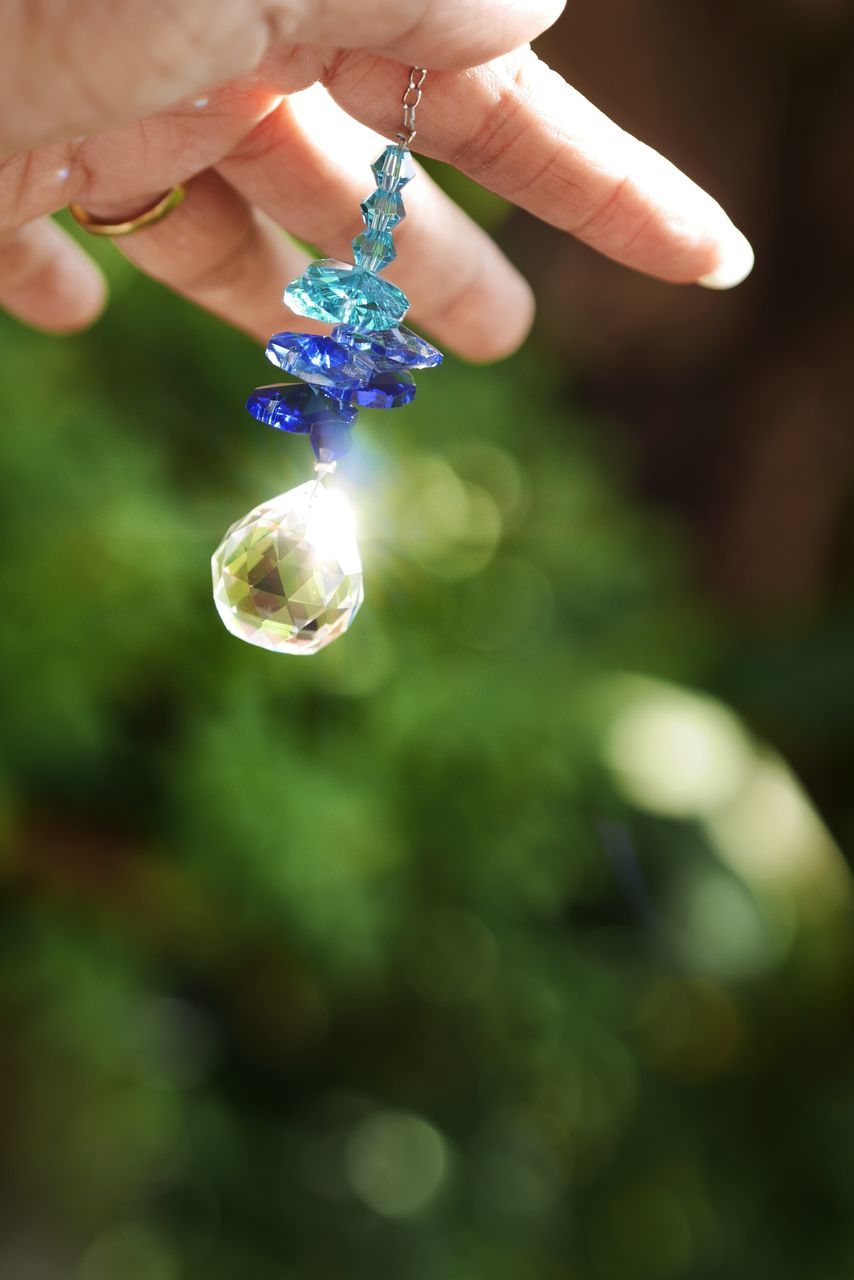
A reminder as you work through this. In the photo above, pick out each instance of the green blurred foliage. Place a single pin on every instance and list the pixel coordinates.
(452, 954)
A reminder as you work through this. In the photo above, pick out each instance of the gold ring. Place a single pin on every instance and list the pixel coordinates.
(97, 227)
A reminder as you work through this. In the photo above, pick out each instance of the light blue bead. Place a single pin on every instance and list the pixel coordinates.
(338, 293)
(373, 250)
(383, 210)
(393, 169)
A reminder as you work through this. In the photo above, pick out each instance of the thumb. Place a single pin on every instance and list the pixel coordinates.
(105, 72)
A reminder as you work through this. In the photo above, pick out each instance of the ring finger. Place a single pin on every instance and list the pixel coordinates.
(222, 254)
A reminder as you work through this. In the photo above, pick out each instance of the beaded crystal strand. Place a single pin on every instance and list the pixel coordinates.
(287, 577)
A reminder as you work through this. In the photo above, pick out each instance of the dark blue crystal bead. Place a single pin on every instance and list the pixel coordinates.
(298, 407)
(390, 348)
(318, 359)
(388, 390)
(330, 441)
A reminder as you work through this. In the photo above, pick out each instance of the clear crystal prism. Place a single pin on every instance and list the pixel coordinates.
(288, 576)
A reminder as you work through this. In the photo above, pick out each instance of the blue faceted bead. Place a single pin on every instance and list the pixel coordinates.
(298, 407)
(339, 293)
(330, 441)
(373, 250)
(393, 169)
(384, 391)
(392, 348)
(318, 359)
(383, 210)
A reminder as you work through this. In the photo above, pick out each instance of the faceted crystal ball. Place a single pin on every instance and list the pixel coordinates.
(288, 577)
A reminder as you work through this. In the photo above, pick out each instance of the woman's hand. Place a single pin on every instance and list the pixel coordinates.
(112, 109)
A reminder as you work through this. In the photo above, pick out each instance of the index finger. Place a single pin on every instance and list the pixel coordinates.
(517, 127)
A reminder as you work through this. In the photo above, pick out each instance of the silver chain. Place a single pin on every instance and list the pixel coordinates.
(411, 98)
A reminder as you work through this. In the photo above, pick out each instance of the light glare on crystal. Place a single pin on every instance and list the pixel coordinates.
(288, 576)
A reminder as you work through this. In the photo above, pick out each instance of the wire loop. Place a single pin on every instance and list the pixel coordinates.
(411, 100)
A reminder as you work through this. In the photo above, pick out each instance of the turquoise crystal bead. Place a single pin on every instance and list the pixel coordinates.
(318, 359)
(393, 169)
(338, 293)
(373, 250)
(383, 210)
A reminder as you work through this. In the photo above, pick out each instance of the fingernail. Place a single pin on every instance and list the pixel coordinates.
(735, 265)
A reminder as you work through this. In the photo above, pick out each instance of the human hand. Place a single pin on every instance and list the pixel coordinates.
(111, 112)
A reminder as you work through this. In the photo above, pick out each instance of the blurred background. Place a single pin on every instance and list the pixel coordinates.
(509, 939)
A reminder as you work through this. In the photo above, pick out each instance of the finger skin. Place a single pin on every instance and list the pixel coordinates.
(517, 128)
(223, 255)
(430, 33)
(124, 169)
(308, 172)
(102, 73)
(308, 167)
(47, 280)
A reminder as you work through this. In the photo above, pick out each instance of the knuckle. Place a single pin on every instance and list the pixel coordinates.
(496, 137)
(621, 222)
(599, 217)
(223, 270)
(502, 137)
(266, 142)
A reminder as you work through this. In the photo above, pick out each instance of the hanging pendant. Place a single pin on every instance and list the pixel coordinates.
(288, 577)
